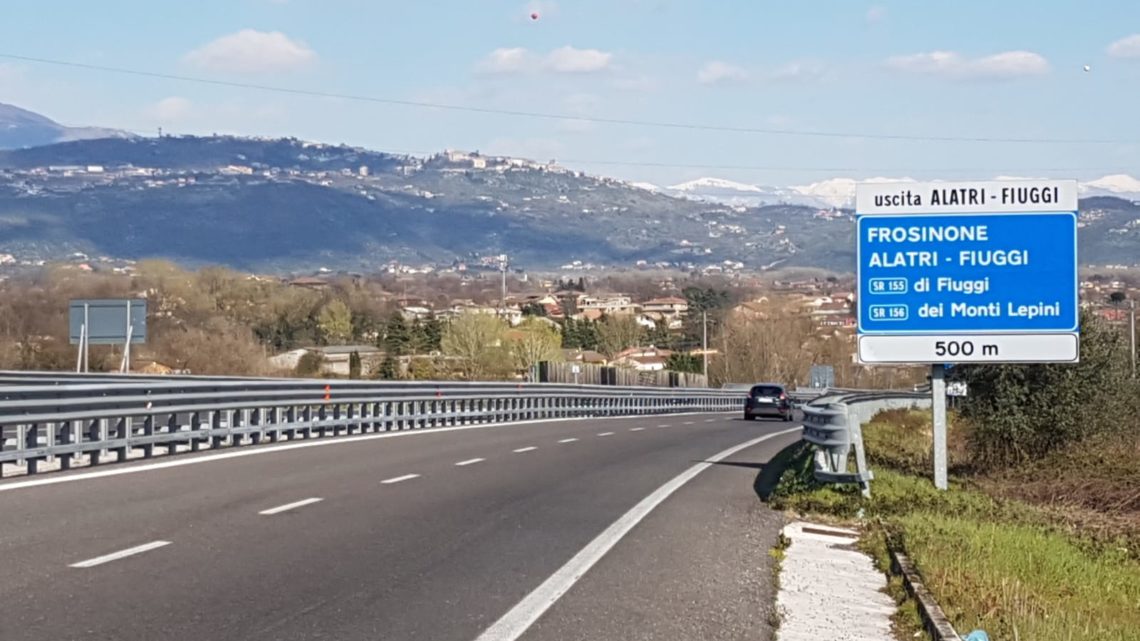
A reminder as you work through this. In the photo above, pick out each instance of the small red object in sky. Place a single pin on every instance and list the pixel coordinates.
(534, 16)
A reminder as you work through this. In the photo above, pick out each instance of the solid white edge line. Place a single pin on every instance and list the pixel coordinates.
(269, 449)
(121, 554)
(400, 479)
(568, 440)
(529, 448)
(472, 461)
(518, 619)
(289, 506)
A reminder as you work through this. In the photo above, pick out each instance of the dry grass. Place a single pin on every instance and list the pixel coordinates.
(1045, 553)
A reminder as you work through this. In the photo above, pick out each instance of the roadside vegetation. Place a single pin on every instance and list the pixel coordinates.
(1039, 536)
(215, 321)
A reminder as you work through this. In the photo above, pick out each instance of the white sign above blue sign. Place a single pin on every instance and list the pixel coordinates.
(968, 272)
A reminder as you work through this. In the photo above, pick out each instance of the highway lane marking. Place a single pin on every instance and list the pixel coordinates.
(605, 434)
(518, 619)
(470, 462)
(688, 423)
(711, 420)
(525, 449)
(636, 429)
(665, 425)
(121, 554)
(271, 449)
(401, 479)
(289, 506)
(568, 440)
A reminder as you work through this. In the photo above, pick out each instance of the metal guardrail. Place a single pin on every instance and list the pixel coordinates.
(85, 419)
(834, 424)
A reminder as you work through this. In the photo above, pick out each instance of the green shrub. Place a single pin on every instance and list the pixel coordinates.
(1020, 412)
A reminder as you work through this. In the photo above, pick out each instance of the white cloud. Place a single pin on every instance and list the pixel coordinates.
(800, 70)
(570, 60)
(1128, 47)
(1004, 65)
(562, 60)
(876, 14)
(170, 110)
(506, 60)
(251, 51)
(717, 71)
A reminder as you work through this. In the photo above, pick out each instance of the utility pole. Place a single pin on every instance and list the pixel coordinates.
(1132, 336)
(705, 345)
(503, 296)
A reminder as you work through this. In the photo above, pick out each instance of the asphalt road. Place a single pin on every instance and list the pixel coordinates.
(432, 536)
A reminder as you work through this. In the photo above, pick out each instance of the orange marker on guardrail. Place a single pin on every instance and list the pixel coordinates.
(328, 392)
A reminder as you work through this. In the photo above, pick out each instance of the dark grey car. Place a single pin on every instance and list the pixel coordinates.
(768, 400)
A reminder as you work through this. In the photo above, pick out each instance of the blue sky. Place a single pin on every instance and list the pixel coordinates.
(973, 69)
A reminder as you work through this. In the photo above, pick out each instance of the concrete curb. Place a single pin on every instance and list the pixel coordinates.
(933, 618)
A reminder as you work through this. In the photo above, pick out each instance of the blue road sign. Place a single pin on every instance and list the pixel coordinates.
(968, 272)
(1014, 272)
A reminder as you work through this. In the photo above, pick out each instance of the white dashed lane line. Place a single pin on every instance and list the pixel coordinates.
(401, 479)
(470, 462)
(606, 434)
(568, 440)
(665, 425)
(121, 554)
(636, 429)
(525, 449)
(289, 506)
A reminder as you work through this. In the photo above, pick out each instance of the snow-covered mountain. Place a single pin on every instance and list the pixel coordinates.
(735, 193)
(1119, 185)
(840, 192)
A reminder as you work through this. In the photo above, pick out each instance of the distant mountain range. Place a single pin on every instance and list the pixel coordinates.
(840, 192)
(279, 205)
(23, 128)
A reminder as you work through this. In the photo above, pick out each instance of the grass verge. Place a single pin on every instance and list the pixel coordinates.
(1008, 566)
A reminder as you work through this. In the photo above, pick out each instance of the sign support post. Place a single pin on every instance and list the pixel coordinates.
(938, 404)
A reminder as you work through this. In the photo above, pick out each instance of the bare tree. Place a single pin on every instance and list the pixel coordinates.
(535, 341)
(335, 323)
(477, 341)
(617, 333)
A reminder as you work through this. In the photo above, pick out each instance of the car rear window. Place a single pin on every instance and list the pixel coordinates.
(766, 390)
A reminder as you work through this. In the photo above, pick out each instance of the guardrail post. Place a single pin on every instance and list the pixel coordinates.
(350, 415)
(238, 419)
(195, 425)
(69, 432)
(273, 421)
(98, 431)
(24, 438)
(123, 432)
(255, 421)
(855, 428)
(148, 430)
(336, 417)
(216, 435)
(172, 429)
(306, 421)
